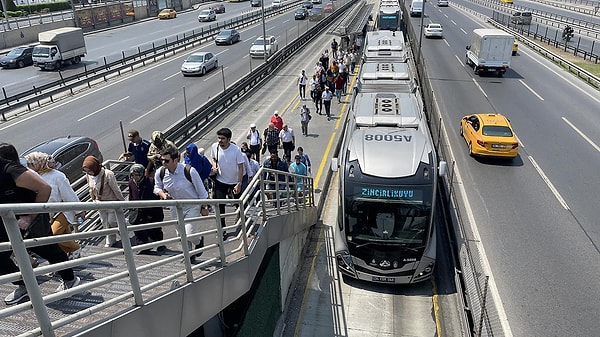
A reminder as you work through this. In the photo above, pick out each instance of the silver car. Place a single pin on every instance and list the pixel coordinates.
(199, 63)
(207, 15)
(227, 36)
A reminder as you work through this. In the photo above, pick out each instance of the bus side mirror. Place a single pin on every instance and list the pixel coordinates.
(334, 164)
(468, 47)
(442, 168)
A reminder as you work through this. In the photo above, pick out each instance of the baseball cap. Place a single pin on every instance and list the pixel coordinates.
(252, 125)
(276, 112)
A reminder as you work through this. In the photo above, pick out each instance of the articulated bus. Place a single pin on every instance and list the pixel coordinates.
(384, 45)
(389, 18)
(388, 175)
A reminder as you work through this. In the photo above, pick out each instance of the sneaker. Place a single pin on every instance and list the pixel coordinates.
(75, 254)
(69, 284)
(16, 296)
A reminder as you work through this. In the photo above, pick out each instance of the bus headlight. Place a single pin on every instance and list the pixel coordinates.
(426, 272)
(344, 261)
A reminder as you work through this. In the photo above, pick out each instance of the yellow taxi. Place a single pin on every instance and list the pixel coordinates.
(167, 13)
(489, 134)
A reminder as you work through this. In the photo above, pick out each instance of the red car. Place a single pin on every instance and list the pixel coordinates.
(218, 8)
(329, 8)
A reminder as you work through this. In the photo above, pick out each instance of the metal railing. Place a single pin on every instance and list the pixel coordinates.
(125, 61)
(285, 193)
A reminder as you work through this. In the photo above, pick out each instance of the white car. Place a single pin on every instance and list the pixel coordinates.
(277, 3)
(442, 3)
(258, 47)
(207, 15)
(199, 63)
(433, 30)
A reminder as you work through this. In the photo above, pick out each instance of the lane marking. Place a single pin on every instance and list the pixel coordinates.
(532, 91)
(151, 111)
(587, 139)
(480, 88)
(102, 109)
(549, 183)
(563, 77)
(169, 77)
(476, 237)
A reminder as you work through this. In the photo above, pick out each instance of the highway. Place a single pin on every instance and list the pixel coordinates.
(535, 216)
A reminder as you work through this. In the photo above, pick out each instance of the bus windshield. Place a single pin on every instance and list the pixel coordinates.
(387, 221)
(388, 22)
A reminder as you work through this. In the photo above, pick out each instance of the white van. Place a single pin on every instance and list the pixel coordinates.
(277, 3)
(416, 8)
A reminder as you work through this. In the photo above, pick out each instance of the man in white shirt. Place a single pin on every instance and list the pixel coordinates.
(302, 79)
(171, 182)
(287, 140)
(227, 167)
(255, 141)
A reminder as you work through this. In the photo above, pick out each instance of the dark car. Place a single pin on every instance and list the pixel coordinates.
(227, 36)
(17, 58)
(315, 14)
(307, 4)
(255, 3)
(300, 13)
(218, 8)
(69, 153)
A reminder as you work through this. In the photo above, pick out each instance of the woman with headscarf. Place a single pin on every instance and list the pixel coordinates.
(45, 166)
(103, 187)
(142, 188)
(192, 156)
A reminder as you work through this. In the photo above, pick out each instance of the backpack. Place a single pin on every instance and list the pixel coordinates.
(186, 171)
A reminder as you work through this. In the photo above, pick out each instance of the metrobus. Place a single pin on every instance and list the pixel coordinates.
(384, 45)
(388, 175)
(385, 76)
(389, 18)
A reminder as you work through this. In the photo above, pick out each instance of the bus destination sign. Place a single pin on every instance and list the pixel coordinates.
(391, 193)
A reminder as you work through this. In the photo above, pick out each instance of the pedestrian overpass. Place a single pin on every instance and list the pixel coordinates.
(124, 293)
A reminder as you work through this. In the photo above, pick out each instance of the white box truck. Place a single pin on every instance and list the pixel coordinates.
(59, 46)
(490, 51)
(416, 8)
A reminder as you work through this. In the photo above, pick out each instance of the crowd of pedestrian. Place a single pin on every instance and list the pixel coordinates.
(157, 173)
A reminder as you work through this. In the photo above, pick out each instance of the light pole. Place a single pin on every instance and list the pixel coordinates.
(262, 8)
(421, 34)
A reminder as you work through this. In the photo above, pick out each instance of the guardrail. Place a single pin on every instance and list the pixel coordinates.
(116, 65)
(585, 75)
(549, 36)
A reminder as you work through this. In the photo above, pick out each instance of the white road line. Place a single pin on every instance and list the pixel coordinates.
(454, 23)
(151, 111)
(480, 88)
(532, 91)
(549, 183)
(169, 77)
(104, 108)
(464, 31)
(587, 139)
(214, 73)
(476, 240)
(459, 60)
(564, 78)
(446, 42)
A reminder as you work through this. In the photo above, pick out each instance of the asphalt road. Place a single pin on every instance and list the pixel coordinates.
(536, 215)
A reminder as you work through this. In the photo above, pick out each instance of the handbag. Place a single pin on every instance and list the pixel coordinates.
(39, 228)
(264, 148)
